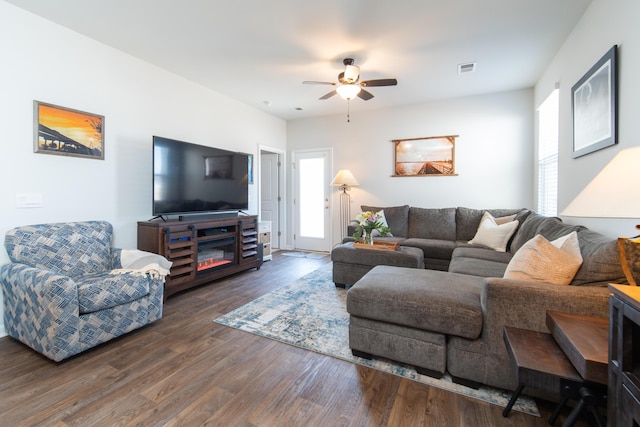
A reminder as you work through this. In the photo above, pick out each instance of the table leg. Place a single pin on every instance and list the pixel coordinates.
(573, 416)
(515, 396)
(556, 412)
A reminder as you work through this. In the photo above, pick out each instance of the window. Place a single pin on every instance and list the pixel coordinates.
(312, 197)
(548, 155)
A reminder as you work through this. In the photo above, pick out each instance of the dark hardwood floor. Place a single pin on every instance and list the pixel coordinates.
(186, 370)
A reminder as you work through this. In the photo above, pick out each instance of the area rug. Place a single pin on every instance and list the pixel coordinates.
(310, 313)
(299, 254)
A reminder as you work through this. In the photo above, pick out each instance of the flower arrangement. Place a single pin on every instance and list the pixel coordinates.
(367, 222)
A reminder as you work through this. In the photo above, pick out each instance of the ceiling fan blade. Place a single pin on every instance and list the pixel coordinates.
(307, 82)
(363, 94)
(329, 95)
(379, 82)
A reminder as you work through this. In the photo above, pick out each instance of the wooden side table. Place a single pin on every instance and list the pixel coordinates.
(541, 363)
(585, 341)
(538, 362)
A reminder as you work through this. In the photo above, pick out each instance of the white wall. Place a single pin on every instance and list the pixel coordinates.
(45, 62)
(494, 152)
(605, 23)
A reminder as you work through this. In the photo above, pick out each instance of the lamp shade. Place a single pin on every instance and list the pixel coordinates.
(351, 73)
(614, 192)
(348, 91)
(344, 178)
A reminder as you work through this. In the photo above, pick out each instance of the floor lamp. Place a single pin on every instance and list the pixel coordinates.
(615, 193)
(344, 179)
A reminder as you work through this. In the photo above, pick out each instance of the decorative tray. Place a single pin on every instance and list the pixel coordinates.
(378, 246)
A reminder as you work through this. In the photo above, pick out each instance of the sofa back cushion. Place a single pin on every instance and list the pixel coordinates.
(601, 260)
(397, 218)
(74, 248)
(468, 220)
(432, 223)
(529, 228)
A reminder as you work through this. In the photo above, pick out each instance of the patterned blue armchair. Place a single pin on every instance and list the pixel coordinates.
(65, 290)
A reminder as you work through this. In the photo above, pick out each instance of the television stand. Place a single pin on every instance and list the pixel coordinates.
(201, 250)
(207, 216)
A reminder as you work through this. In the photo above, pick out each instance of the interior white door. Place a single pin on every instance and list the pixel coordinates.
(270, 198)
(312, 209)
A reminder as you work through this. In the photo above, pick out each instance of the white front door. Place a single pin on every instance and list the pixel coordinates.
(312, 209)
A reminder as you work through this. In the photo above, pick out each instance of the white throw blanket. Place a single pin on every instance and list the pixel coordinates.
(141, 262)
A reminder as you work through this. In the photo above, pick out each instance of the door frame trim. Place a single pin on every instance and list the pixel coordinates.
(285, 241)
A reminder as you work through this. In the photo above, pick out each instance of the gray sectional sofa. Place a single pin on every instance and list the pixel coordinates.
(449, 316)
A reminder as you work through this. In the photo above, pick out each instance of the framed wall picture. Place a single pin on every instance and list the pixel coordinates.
(429, 156)
(67, 132)
(594, 107)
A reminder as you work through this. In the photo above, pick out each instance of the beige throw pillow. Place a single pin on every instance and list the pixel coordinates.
(503, 219)
(494, 235)
(539, 260)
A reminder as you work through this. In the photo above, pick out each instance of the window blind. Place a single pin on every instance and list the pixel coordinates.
(548, 119)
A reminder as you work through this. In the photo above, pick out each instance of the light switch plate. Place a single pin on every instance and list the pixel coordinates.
(28, 200)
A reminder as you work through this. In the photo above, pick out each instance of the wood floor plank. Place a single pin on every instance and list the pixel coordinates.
(186, 370)
(375, 407)
(52, 400)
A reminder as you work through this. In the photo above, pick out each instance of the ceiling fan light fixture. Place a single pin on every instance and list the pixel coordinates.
(348, 91)
(351, 73)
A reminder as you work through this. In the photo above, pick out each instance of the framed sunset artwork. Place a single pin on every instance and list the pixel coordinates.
(67, 132)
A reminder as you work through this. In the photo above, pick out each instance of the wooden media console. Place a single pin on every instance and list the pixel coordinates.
(202, 250)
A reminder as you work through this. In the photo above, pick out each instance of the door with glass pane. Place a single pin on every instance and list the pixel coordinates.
(311, 203)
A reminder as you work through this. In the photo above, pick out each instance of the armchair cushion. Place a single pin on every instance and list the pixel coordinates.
(106, 290)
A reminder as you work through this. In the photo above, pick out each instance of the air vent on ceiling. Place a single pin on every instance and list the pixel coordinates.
(469, 67)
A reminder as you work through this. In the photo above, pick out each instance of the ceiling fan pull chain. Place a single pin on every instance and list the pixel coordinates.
(348, 111)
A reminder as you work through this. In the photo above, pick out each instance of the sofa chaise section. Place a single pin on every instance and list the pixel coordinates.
(408, 319)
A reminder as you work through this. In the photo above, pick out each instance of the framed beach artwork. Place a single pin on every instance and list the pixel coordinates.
(428, 156)
(594, 107)
(67, 132)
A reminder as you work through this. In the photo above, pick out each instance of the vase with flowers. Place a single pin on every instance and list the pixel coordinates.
(367, 223)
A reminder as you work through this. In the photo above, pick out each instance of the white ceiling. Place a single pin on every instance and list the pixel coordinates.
(260, 51)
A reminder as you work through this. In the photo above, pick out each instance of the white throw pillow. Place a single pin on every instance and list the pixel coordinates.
(539, 260)
(494, 235)
(383, 221)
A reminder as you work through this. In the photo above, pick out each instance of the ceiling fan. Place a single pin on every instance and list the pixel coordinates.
(348, 86)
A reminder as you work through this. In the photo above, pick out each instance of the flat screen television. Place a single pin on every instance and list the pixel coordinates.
(190, 178)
